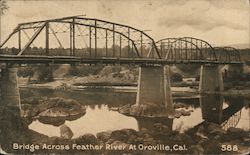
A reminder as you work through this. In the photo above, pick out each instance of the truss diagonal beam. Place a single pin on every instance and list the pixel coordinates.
(25, 33)
(57, 39)
(10, 35)
(32, 39)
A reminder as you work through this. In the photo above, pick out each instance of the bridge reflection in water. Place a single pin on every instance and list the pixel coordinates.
(224, 111)
(213, 111)
(214, 108)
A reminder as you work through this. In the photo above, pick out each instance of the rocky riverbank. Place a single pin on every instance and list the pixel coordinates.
(205, 138)
(52, 110)
(154, 111)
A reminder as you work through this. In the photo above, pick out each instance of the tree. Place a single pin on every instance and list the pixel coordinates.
(3, 8)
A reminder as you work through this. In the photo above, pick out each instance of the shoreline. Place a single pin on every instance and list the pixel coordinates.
(179, 91)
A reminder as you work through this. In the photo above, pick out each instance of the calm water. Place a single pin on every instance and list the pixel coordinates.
(229, 112)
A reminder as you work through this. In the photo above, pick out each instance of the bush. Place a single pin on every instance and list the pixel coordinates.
(176, 77)
(45, 74)
(84, 70)
(26, 72)
(191, 68)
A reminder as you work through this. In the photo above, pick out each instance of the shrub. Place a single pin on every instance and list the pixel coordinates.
(176, 77)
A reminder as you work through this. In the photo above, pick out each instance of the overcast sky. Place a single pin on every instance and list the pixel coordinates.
(220, 22)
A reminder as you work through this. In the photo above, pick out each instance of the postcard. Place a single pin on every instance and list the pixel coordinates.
(124, 77)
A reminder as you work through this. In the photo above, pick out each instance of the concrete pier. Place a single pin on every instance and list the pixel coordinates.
(154, 97)
(10, 95)
(211, 80)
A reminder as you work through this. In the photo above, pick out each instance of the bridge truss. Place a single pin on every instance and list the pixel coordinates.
(85, 37)
(227, 54)
(81, 39)
(189, 48)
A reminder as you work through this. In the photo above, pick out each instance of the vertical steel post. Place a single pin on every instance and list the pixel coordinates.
(141, 45)
(180, 50)
(191, 49)
(120, 45)
(90, 42)
(175, 52)
(47, 38)
(113, 40)
(106, 44)
(161, 46)
(19, 40)
(73, 37)
(132, 49)
(186, 52)
(170, 50)
(95, 40)
(128, 42)
(196, 50)
(201, 52)
(70, 39)
(153, 52)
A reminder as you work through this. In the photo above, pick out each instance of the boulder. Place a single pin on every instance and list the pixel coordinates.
(197, 149)
(123, 135)
(237, 133)
(103, 136)
(58, 109)
(217, 132)
(86, 139)
(124, 109)
(66, 132)
(212, 126)
(233, 130)
(55, 112)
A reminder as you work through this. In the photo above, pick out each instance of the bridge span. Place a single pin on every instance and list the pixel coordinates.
(34, 59)
(78, 40)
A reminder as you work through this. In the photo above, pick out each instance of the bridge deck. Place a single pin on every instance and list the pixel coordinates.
(34, 59)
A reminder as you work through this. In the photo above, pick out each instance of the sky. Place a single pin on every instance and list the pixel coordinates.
(220, 22)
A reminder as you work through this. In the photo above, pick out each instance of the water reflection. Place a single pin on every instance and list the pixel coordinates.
(214, 111)
(85, 97)
(226, 111)
(12, 127)
(99, 117)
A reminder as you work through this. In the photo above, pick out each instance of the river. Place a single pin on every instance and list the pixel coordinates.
(226, 111)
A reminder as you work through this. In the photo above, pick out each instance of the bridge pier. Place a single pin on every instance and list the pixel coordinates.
(154, 97)
(211, 80)
(10, 95)
(235, 71)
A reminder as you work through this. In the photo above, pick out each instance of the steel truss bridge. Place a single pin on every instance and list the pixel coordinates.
(78, 39)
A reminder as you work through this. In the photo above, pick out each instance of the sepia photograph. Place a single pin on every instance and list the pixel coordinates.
(125, 77)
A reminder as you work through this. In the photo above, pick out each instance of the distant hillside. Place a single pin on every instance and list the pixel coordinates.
(240, 46)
